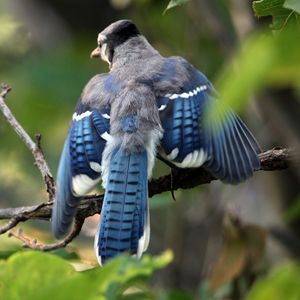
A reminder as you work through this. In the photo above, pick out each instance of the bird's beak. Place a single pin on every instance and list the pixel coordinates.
(95, 53)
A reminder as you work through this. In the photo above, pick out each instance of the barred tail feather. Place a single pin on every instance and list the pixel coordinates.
(124, 223)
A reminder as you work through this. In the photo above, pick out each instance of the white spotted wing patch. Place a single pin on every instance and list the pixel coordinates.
(106, 116)
(106, 136)
(173, 154)
(162, 107)
(78, 117)
(189, 94)
(82, 184)
(194, 159)
(95, 166)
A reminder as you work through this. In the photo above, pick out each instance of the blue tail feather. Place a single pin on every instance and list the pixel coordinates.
(124, 215)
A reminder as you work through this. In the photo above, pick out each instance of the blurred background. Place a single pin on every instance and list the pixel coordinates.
(44, 56)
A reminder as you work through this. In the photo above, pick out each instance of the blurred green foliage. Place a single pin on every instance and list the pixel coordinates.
(281, 283)
(11, 30)
(293, 212)
(263, 61)
(34, 275)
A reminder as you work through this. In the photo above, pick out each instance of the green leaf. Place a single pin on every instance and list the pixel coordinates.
(281, 16)
(293, 5)
(30, 274)
(174, 3)
(282, 283)
(8, 253)
(263, 61)
(63, 253)
(35, 275)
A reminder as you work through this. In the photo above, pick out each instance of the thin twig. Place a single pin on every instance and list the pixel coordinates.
(35, 148)
(13, 222)
(34, 244)
(22, 214)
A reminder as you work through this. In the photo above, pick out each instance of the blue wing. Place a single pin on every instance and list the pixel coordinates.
(80, 164)
(224, 144)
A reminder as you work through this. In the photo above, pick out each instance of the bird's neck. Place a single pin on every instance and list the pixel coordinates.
(131, 51)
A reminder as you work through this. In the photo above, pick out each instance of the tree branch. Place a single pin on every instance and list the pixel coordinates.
(33, 244)
(34, 147)
(271, 160)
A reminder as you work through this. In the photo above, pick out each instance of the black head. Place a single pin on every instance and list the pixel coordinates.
(112, 36)
(117, 33)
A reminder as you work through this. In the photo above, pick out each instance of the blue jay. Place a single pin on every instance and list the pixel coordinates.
(147, 104)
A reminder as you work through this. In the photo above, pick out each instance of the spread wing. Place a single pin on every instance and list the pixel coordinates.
(191, 138)
(80, 164)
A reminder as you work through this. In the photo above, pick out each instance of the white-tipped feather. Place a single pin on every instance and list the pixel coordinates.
(187, 161)
(106, 136)
(162, 107)
(99, 259)
(174, 96)
(145, 238)
(83, 184)
(147, 230)
(111, 144)
(184, 95)
(95, 166)
(79, 117)
(189, 94)
(202, 157)
(194, 159)
(173, 154)
(154, 138)
(106, 116)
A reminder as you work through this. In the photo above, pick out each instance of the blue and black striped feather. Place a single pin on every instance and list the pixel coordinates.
(87, 144)
(230, 148)
(65, 202)
(124, 214)
(181, 120)
(83, 145)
